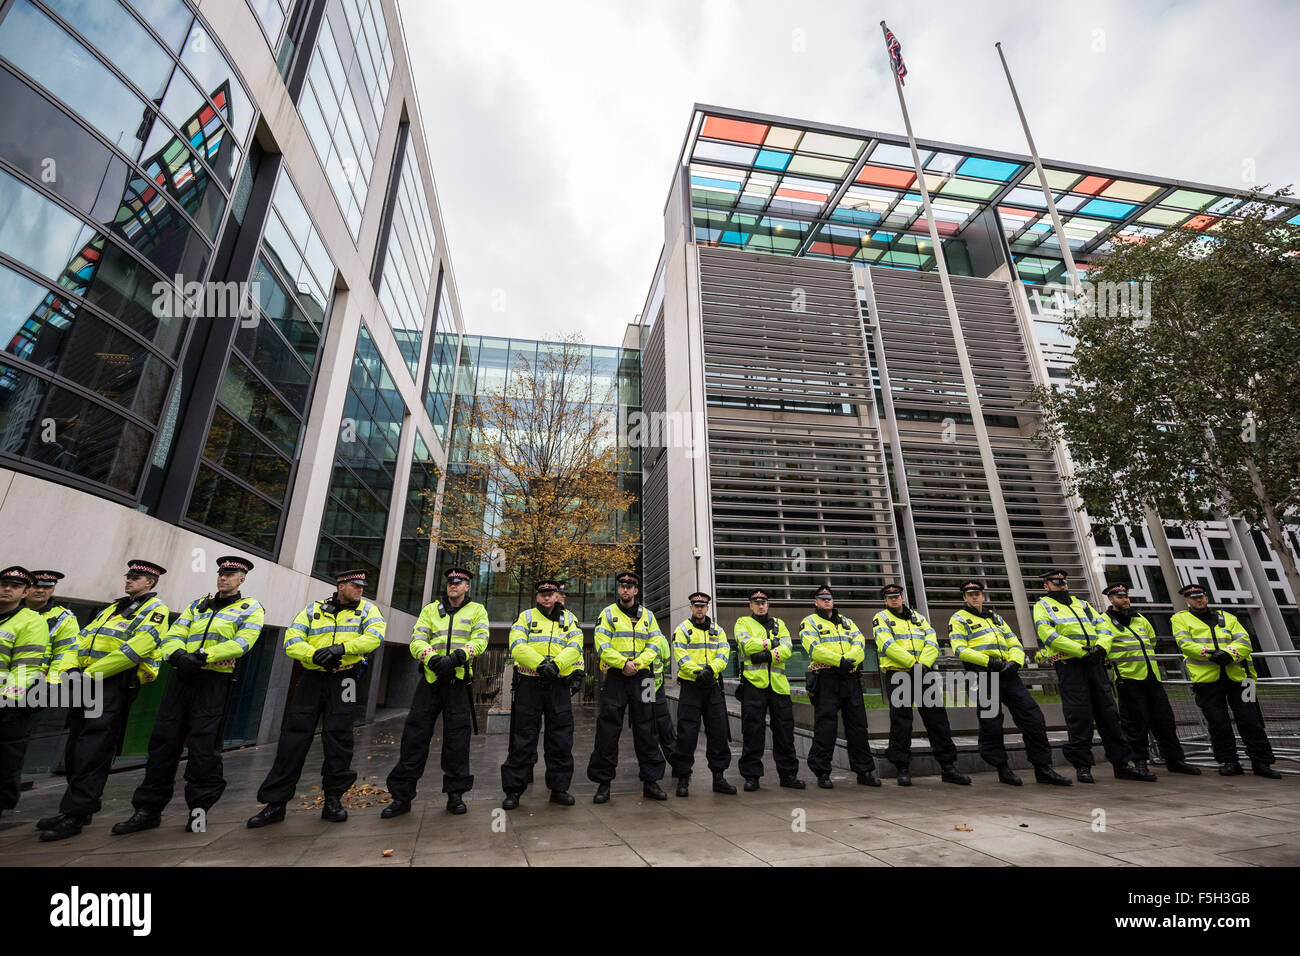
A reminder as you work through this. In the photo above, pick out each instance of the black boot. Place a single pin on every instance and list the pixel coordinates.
(67, 826)
(455, 804)
(824, 781)
(684, 786)
(1264, 770)
(794, 783)
(950, 775)
(1180, 766)
(1138, 771)
(271, 813)
(333, 810)
(140, 820)
(1045, 774)
(1005, 775)
(651, 790)
(751, 784)
(869, 778)
(1230, 768)
(602, 794)
(720, 784)
(49, 823)
(396, 809)
(510, 802)
(1084, 774)
(904, 777)
(562, 797)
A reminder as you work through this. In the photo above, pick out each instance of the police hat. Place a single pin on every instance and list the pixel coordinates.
(968, 587)
(889, 589)
(141, 566)
(231, 562)
(17, 574)
(699, 597)
(47, 579)
(758, 594)
(1119, 589)
(628, 575)
(824, 589)
(453, 575)
(1192, 590)
(547, 585)
(1053, 573)
(355, 576)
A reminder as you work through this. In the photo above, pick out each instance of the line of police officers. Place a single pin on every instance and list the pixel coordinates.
(126, 643)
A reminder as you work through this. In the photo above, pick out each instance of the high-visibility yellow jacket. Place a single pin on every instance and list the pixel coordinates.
(443, 630)
(660, 665)
(535, 638)
(619, 639)
(753, 637)
(978, 638)
(359, 629)
(126, 634)
(1198, 639)
(1070, 629)
(825, 641)
(696, 648)
(223, 629)
(1132, 647)
(904, 642)
(63, 637)
(24, 642)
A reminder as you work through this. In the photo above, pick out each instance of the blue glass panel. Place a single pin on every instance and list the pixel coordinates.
(772, 159)
(988, 168)
(715, 183)
(738, 238)
(1108, 209)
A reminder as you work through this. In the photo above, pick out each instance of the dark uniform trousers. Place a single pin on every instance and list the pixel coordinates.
(93, 742)
(1214, 700)
(1086, 701)
(1028, 718)
(664, 721)
(318, 696)
(1144, 710)
(191, 716)
(834, 695)
(757, 706)
(535, 699)
(620, 694)
(935, 719)
(451, 699)
(693, 704)
(15, 728)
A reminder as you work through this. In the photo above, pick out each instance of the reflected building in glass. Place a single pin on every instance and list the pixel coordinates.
(297, 409)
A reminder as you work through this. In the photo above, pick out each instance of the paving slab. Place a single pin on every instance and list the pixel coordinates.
(852, 858)
(620, 855)
(705, 849)
(1028, 849)
(939, 853)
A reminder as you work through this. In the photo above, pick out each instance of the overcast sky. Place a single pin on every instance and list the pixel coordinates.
(553, 126)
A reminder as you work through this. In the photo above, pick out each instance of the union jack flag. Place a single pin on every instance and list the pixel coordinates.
(896, 56)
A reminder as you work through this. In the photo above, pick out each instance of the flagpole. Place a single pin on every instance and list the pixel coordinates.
(1168, 569)
(1012, 563)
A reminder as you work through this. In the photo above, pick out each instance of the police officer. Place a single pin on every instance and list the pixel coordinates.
(121, 648)
(625, 638)
(1143, 707)
(328, 639)
(1218, 652)
(905, 641)
(62, 622)
(449, 634)
(701, 651)
(764, 646)
(544, 643)
(985, 643)
(1075, 637)
(836, 648)
(203, 646)
(24, 647)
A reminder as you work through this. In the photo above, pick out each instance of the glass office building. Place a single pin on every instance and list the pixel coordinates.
(796, 320)
(230, 320)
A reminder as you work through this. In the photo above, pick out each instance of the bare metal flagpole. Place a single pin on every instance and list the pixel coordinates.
(1168, 569)
(1019, 597)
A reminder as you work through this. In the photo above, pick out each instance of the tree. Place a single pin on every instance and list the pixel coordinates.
(1192, 402)
(539, 493)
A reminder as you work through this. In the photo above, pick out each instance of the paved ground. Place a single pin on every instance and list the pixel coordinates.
(1187, 821)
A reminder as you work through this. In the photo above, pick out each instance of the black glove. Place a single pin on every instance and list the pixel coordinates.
(1223, 658)
(432, 662)
(762, 657)
(1095, 655)
(458, 657)
(445, 667)
(328, 657)
(184, 663)
(845, 666)
(996, 664)
(576, 680)
(547, 671)
(1010, 667)
(705, 677)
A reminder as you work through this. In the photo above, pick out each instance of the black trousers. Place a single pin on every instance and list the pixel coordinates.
(318, 696)
(935, 719)
(664, 721)
(834, 696)
(1086, 701)
(619, 695)
(1214, 700)
(192, 714)
(15, 729)
(1144, 710)
(694, 704)
(450, 698)
(758, 705)
(93, 742)
(1027, 716)
(534, 699)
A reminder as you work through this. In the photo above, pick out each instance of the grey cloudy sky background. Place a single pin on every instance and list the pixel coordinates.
(553, 127)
